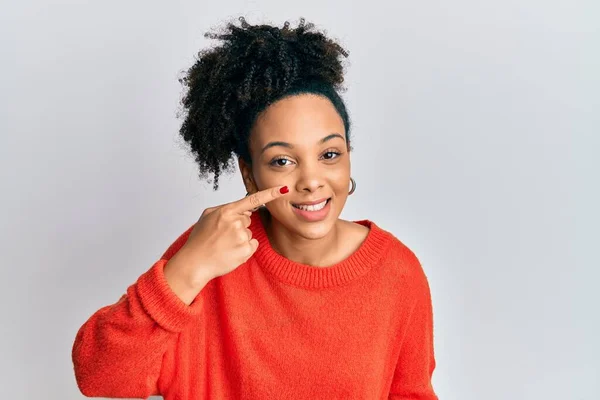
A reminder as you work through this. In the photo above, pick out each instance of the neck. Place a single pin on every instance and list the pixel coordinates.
(313, 252)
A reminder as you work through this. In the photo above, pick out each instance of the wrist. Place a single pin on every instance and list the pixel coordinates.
(196, 270)
(185, 278)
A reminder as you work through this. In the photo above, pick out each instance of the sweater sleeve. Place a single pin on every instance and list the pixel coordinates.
(416, 363)
(118, 351)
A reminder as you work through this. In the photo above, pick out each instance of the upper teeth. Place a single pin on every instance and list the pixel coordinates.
(314, 207)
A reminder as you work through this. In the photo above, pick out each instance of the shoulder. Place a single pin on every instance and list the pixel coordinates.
(400, 259)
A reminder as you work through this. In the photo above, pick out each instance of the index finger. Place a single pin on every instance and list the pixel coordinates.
(256, 199)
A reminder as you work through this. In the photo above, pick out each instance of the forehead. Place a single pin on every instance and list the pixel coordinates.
(303, 118)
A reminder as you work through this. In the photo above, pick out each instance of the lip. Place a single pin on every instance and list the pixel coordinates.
(310, 203)
(313, 216)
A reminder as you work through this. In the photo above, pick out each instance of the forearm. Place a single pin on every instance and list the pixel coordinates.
(416, 361)
(118, 352)
(185, 278)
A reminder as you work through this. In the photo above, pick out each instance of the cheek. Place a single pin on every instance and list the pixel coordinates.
(264, 179)
(339, 180)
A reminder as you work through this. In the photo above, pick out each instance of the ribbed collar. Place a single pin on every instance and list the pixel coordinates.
(357, 264)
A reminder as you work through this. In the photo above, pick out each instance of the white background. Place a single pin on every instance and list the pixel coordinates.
(476, 143)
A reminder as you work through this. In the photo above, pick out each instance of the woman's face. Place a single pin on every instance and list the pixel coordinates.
(300, 141)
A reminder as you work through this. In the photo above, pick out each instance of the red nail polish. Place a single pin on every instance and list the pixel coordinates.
(284, 190)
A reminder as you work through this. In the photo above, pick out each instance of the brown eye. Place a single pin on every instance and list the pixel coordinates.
(331, 153)
(278, 162)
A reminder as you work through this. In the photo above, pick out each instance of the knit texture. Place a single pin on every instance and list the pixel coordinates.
(271, 329)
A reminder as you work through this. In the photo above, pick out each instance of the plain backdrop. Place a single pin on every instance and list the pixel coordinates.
(476, 143)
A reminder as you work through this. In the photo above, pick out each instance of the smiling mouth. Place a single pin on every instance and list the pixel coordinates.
(313, 207)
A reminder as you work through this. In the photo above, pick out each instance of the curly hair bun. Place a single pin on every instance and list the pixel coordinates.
(253, 66)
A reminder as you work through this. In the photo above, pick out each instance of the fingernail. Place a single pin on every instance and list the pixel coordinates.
(284, 190)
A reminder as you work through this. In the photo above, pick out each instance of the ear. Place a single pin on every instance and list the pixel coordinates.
(246, 171)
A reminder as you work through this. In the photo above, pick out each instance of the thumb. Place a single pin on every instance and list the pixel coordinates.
(253, 244)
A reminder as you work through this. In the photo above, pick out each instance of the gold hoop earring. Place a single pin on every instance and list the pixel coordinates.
(353, 186)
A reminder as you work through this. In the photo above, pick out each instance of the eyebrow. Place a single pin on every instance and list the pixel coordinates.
(291, 146)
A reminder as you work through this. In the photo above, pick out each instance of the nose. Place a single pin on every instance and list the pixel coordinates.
(310, 179)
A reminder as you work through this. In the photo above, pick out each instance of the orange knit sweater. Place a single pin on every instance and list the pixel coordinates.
(270, 329)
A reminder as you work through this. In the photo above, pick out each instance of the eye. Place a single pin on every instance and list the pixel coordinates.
(276, 162)
(331, 153)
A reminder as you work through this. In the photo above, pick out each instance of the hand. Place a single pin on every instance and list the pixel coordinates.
(221, 241)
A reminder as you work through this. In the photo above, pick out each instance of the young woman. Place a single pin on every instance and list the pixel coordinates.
(272, 296)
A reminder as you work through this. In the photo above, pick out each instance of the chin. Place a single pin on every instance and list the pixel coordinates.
(313, 230)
